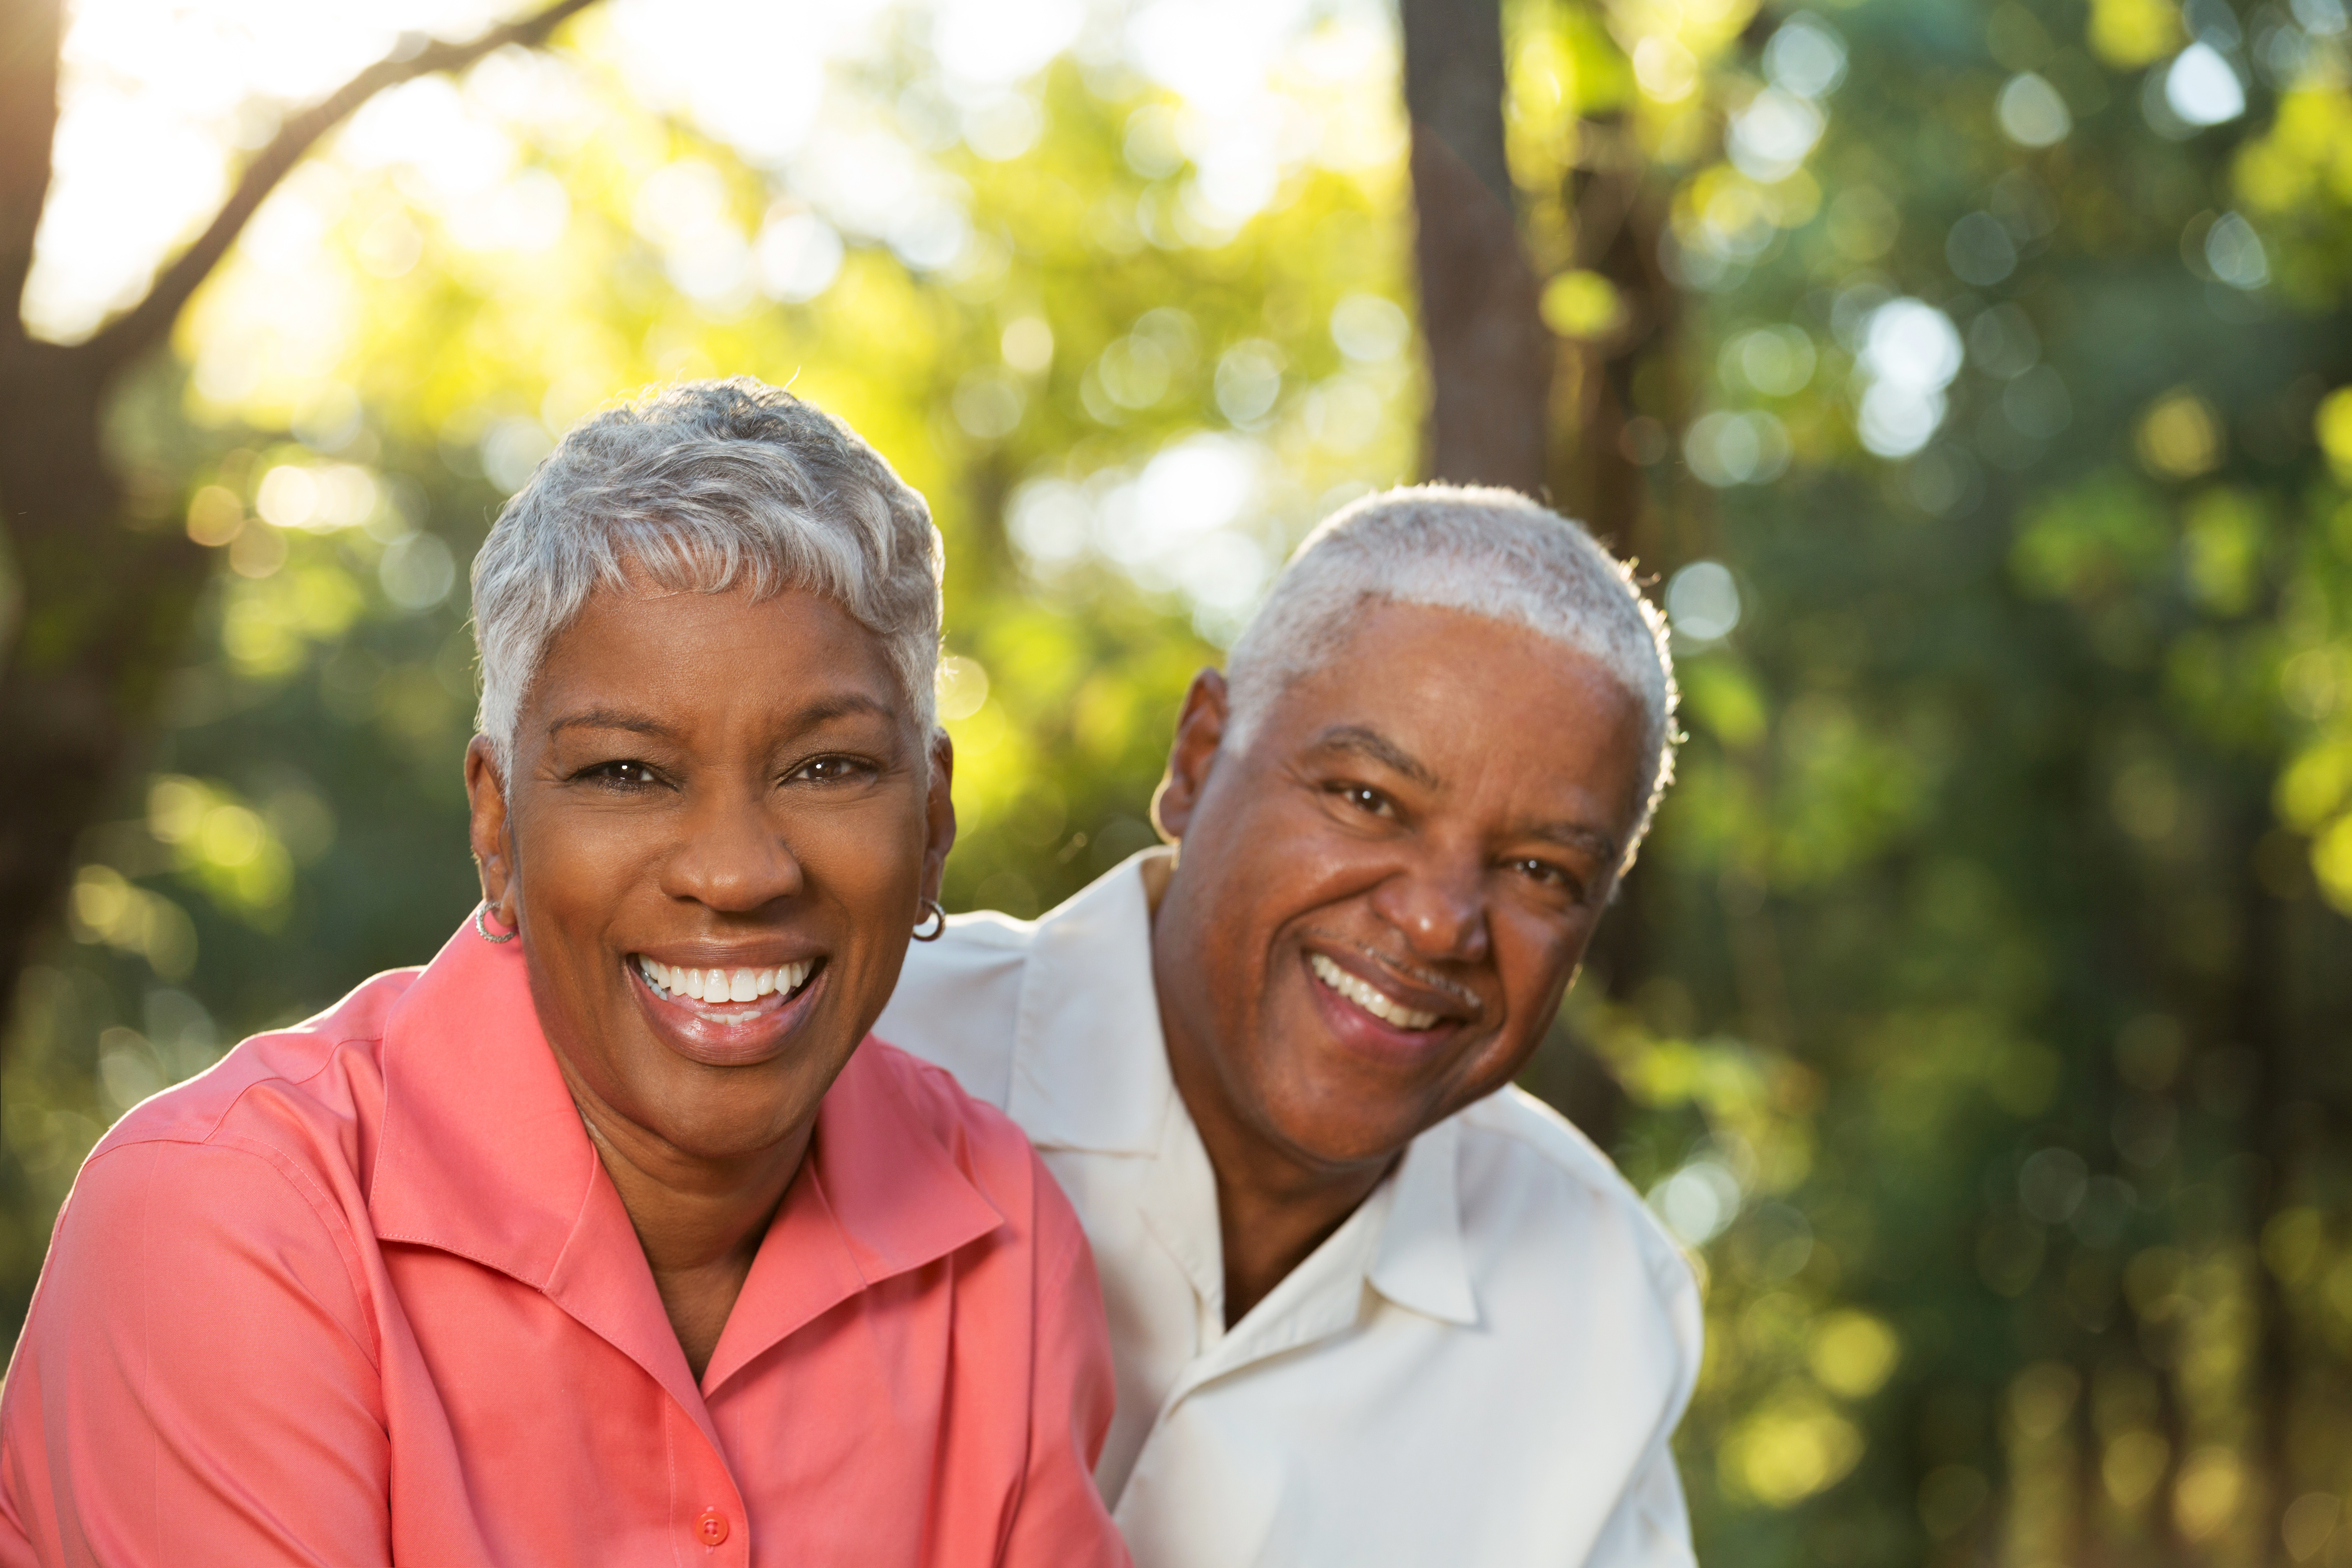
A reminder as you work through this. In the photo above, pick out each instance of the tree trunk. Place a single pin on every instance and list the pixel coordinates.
(1490, 355)
(2262, 1026)
(103, 608)
(105, 611)
(1617, 220)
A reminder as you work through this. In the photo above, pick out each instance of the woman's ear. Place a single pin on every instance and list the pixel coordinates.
(1199, 730)
(490, 830)
(938, 816)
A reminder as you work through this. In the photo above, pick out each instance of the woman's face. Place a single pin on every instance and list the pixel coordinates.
(719, 833)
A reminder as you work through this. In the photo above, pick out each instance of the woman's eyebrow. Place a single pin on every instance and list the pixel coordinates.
(613, 718)
(840, 705)
(817, 710)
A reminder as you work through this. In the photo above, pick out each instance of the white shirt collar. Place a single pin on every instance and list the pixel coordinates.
(1089, 1063)
(1090, 1072)
(1423, 1264)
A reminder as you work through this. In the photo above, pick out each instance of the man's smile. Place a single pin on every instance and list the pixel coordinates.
(1368, 996)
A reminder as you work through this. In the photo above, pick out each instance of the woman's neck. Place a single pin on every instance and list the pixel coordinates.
(699, 1221)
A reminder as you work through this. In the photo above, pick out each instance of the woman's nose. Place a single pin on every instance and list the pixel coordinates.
(735, 859)
(1437, 902)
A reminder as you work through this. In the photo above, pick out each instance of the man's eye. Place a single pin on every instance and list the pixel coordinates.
(1364, 798)
(1545, 874)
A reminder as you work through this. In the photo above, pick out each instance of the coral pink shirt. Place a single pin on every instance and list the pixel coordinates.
(363, 1294)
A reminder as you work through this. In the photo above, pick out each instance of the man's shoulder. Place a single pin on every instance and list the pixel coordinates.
(1524, 1159)
(958, 1001)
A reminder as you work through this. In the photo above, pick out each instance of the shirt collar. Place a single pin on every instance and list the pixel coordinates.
(482, 1151)
(1422, 1263)
(1090, 1072)
(483, 1154)
(882, 1195)
(1089, 1063)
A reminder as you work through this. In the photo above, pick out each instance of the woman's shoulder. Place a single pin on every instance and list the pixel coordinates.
(941, 1104)
(982, 1141)
(312, 1091)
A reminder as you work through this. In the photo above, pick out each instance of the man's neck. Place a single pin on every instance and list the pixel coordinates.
(1272, 1212)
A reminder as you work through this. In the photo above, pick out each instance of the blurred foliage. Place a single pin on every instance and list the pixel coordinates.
(1987, 1033)
(1981, 1027)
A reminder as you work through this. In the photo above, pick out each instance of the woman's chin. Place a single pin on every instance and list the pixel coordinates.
(728, 1034)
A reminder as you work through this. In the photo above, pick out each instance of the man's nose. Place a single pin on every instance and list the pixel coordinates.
(735, 859)
(1437, 902)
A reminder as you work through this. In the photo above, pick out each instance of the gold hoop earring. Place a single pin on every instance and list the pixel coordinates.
(487, 934)
(937, 919)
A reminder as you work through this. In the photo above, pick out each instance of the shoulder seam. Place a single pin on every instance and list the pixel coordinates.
(212, 1130)
(320, 1204)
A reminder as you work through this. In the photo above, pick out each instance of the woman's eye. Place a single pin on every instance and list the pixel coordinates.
(835, 769)
(623, 775)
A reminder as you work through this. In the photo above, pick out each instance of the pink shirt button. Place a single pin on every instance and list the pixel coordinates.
(712, 1528)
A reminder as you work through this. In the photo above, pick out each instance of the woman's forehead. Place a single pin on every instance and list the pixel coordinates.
(706, 650)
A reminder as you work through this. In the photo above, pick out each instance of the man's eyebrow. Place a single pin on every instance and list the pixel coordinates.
(1575, 836)
(1371, 743)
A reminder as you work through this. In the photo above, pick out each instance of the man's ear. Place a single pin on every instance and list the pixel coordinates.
(939, 818)
(490, 830)
(1199, 730)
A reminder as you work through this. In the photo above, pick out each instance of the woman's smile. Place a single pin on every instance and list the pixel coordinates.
(726, 1013)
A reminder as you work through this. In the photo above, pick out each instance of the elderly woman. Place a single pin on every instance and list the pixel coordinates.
(607, 1237)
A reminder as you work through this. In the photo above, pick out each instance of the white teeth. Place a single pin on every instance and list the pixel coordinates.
(720, 985)
(1367, 996)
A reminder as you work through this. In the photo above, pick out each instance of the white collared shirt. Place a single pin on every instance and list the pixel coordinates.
(1481, 1366)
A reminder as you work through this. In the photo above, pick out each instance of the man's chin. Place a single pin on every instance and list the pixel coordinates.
(1333, 1114)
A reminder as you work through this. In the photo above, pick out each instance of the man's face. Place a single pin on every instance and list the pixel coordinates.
(1380, 900)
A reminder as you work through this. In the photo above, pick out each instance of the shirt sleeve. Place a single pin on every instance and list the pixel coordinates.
(1651, 1528)
(1061, 1519)
(197, 1380)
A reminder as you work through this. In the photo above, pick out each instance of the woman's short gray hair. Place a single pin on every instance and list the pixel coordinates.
(1490, 552)
(700, 488)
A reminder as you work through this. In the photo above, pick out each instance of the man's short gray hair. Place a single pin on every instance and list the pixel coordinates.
(700, 488)
(1490, 553)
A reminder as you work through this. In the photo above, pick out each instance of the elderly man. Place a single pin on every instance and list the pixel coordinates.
(1370, 1304)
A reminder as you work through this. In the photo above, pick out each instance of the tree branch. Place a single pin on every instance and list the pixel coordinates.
(31, 32)
(146, 323)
